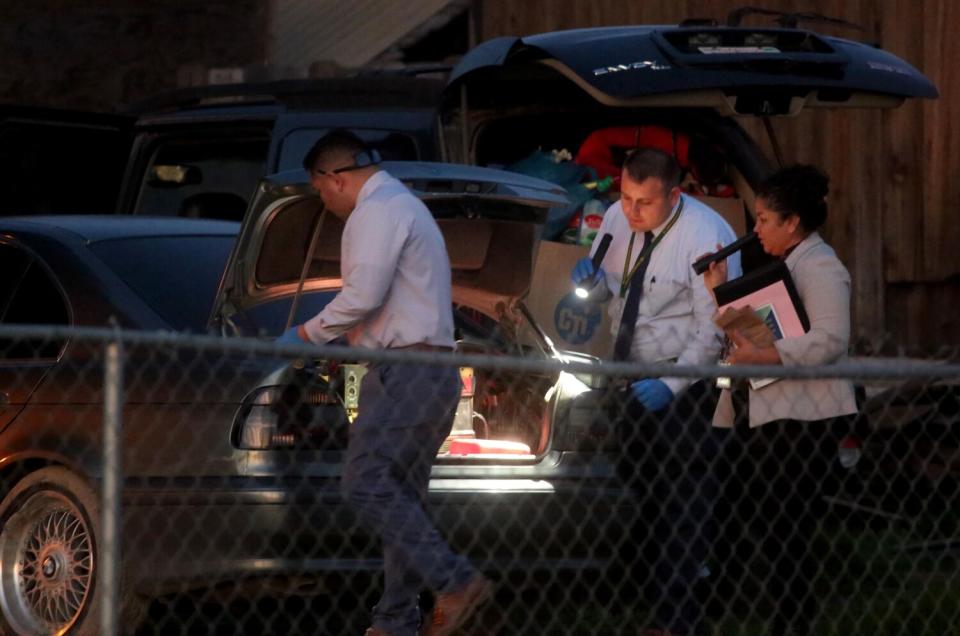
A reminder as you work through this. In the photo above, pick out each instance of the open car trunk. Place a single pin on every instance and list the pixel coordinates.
(567, 107)
(286, 266)
(596, 93)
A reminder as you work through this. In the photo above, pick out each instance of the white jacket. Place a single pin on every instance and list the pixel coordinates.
(823, 284)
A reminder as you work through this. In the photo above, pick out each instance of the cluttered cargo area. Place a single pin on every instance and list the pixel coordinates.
(500, 417)
(582, 150)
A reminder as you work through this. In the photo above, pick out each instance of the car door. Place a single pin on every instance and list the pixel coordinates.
(84, 154)
(29, 295)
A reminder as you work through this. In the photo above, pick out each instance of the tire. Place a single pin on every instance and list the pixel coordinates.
(50, 556)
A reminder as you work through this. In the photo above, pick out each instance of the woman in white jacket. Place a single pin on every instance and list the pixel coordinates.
(786, 435)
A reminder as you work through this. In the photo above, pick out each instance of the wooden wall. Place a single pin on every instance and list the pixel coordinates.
(895, 192)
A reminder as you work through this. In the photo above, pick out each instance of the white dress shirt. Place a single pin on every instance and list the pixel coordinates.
(396, 274)
(675, 317)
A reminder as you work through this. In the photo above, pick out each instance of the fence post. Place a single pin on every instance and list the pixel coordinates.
(112, 474)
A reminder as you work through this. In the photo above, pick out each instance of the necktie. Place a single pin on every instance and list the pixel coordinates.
(621, 348)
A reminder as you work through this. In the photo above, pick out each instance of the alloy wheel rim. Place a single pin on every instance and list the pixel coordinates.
(50, 548)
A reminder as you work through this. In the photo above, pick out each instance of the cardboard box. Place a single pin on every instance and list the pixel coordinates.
(731, 209)
(572, 324)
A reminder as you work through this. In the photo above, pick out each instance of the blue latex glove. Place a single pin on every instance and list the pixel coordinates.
(653, 394)
(291, 336)
(584, 270)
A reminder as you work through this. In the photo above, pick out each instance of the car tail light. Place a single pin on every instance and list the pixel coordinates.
(258, 428)
(283, 416)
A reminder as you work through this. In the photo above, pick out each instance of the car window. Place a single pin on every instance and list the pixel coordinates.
(285, 244)
(29, 296)
(391, 145)
(86, 163)
(13, 264)
(176, 275)
(211, 179)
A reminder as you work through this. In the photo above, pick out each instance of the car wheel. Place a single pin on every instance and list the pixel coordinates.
(49, 555)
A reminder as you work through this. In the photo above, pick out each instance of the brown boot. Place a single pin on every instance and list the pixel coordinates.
(375, 631)
(452, 610)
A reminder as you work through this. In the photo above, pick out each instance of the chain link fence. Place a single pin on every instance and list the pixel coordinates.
(163, 484)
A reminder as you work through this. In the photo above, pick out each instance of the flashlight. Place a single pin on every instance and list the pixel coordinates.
(582, 291)
(701, 265)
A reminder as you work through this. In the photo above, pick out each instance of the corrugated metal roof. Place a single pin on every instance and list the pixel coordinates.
(350, 34)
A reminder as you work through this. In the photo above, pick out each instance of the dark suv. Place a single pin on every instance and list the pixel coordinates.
(201, 152)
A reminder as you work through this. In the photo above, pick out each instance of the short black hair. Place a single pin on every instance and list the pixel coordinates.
(335, 142)
(646, 163)
(798, 189)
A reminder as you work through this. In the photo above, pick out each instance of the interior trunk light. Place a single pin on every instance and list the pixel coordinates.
(484, 447)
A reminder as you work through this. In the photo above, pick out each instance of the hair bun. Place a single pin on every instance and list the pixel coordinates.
(799, 189)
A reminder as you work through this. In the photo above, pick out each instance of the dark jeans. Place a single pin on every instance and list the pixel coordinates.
(406, 412)
(775, 478)
(668, 464)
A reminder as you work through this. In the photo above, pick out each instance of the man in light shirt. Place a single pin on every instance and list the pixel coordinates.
(395, 295)
(661, 314)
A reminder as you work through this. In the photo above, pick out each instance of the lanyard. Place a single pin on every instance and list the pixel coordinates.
(645, 252)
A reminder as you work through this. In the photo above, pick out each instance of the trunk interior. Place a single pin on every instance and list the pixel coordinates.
(502, 416)
(720, 161)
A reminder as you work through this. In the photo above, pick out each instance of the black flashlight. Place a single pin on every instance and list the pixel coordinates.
(582, 290)
(701, 264)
